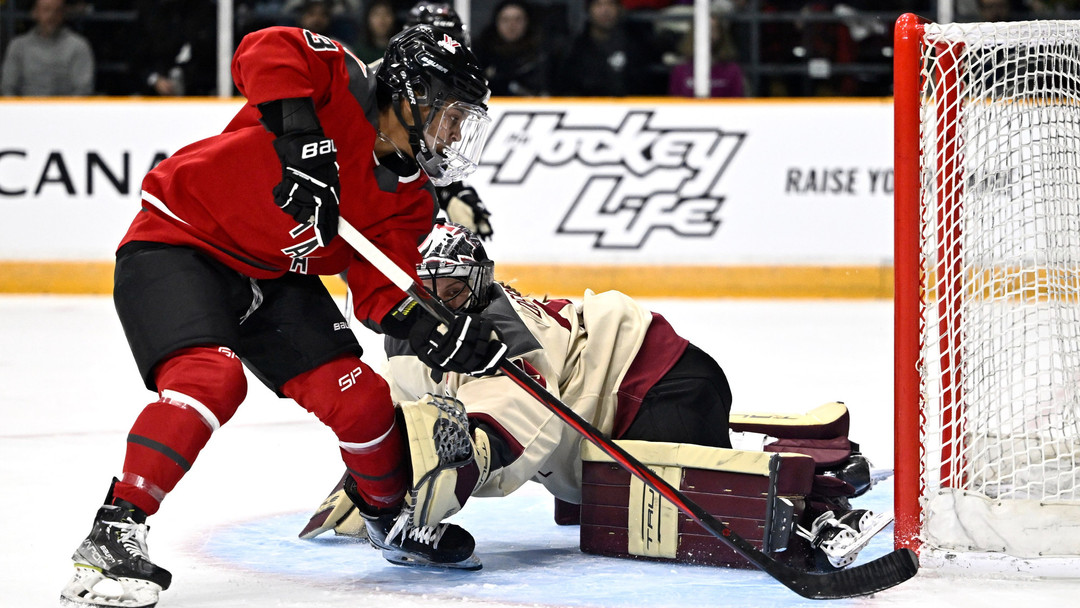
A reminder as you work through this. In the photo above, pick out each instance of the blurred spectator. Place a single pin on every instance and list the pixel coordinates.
(176, 50)
(725, 76)
(314, 15)
(608, 59)
(441, 16)
(50, 59)
(1054, 9)
(994, 10)
(510, 50)
(380, 24)
(335, 7)
(651, 5)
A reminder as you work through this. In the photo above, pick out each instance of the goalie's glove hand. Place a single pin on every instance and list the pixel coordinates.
(469, 345)
(309, 185)
(463, 206)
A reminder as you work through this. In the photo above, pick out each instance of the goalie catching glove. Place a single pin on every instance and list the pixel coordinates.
(463, 206)
(309, 189)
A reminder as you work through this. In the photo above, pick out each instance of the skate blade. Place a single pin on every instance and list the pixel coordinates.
(402, 558)
(90, 587)
(876, 524)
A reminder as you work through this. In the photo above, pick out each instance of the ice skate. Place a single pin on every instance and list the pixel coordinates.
(391, 530)
(111, 566)
(841, 539)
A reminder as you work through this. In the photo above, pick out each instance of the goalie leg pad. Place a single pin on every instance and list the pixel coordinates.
(622, 517)
(338, 513)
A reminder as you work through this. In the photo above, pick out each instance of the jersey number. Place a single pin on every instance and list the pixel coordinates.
(318, 42)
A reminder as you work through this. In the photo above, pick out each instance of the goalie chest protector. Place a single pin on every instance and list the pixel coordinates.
(758, 495)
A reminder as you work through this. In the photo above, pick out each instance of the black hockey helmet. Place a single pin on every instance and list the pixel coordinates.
(441, 16)
(452, 251)
(430, 68)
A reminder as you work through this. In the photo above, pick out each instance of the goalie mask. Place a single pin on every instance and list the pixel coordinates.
(456, 268)
(434, 72)
(441, 16)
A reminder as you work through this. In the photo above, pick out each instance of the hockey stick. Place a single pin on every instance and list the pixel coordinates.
(882, 573)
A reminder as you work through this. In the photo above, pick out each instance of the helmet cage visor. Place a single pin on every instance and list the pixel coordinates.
(454, 134)
(476, 276)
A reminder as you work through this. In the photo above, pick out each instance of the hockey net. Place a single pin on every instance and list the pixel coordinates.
(988, 293)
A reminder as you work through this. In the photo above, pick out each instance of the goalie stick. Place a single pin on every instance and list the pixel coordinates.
(882, 573)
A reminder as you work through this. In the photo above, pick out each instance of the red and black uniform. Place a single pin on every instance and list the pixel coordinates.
(212, 272)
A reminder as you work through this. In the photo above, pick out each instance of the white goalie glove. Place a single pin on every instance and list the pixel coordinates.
(447, 465)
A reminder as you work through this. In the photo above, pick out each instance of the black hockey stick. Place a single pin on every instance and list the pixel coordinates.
(882, 573)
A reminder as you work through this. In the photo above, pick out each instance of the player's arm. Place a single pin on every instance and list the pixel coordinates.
(309, 190)
(286, 73)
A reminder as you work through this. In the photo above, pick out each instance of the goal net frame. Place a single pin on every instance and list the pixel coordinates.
(961, 170)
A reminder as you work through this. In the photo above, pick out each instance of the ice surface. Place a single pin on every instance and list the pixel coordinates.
(228, 532)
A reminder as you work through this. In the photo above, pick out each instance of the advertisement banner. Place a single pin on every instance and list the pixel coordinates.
(635, 183)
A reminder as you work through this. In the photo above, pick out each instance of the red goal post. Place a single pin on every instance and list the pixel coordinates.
(987, 292)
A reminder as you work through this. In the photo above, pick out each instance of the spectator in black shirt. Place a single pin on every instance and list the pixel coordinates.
(607, 59)
(511, 52)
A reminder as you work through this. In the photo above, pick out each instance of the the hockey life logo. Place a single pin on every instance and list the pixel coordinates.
(641, 178)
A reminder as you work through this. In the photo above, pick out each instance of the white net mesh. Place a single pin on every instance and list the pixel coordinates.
(1000, 326)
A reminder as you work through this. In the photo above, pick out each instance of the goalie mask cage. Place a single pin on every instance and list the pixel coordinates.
(987, 334)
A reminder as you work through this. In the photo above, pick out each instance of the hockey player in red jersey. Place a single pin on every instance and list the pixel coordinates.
(622, 368)
(221, 266)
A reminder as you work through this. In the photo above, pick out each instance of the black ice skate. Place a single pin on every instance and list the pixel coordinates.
(111, 565)
(839, 539)
(391, 530)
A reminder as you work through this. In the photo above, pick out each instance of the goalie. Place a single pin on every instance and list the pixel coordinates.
(621, 367)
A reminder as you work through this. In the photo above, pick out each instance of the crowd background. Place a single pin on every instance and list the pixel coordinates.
(585, 48)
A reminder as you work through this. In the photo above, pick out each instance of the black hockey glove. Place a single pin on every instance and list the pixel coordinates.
(470, 345)
(309, 189)
(309, 181)
(463, 206)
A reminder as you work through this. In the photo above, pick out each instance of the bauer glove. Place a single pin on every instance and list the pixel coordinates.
(309, 188)
(463, 206)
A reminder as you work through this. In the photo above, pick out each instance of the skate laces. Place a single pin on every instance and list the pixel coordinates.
(132, 537)
(428, 535)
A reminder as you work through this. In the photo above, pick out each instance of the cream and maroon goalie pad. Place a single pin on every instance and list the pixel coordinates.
(622, 517)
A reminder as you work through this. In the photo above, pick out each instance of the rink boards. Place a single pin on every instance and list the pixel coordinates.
(657, 197)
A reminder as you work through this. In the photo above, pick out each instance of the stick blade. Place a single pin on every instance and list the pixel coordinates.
(882, 573)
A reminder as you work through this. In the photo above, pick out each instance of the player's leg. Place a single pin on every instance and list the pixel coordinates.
(299, 345)
(689, 404)
(179, 311)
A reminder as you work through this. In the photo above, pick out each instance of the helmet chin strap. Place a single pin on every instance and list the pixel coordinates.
(419, 146)
(398, 152)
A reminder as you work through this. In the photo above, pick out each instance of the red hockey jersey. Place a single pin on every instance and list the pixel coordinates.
(215, 195)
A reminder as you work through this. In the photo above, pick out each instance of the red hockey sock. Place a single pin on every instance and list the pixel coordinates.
(200, 389)
(354, 401)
